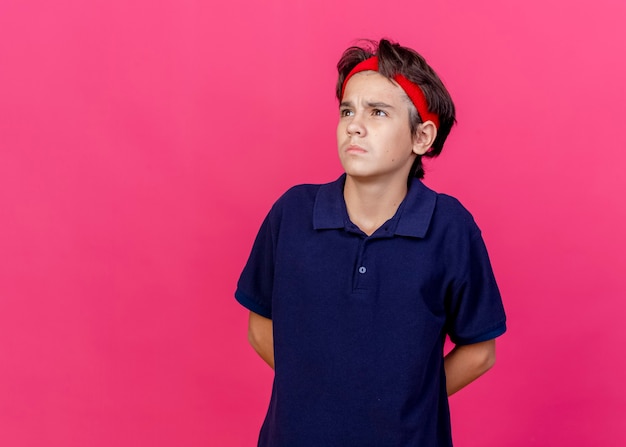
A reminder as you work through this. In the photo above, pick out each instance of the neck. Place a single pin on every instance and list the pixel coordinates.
(371, 204)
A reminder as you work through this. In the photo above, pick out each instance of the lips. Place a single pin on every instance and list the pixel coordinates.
(354, 149)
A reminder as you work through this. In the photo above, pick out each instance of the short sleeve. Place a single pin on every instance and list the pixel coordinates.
(254, 288)
(474, 306)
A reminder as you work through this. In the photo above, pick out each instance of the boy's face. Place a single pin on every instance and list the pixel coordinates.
(373, 133)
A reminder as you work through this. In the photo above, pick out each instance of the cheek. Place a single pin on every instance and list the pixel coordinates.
(341, 131)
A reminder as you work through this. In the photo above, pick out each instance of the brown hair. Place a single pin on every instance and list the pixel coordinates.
(394, 59)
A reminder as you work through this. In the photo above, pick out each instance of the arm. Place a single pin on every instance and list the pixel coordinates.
(466, 363)
(261, 337)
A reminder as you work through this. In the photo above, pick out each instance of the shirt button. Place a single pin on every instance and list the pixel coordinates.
(362, 269)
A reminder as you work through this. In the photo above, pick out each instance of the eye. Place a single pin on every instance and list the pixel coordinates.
(378, 112)
(346, 112)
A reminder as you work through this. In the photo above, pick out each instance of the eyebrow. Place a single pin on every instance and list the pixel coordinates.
(371, 105)
(379, 105)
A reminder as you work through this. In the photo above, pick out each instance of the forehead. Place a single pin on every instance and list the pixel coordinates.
(372, 85)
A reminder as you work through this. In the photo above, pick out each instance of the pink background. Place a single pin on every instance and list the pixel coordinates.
(141, 144)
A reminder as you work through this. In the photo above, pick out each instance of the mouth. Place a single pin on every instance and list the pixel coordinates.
(354, 149)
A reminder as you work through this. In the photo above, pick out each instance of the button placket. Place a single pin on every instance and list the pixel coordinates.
(361, 268)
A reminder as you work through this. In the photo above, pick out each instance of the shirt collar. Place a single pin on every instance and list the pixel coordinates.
(413, 216)
(329, 210)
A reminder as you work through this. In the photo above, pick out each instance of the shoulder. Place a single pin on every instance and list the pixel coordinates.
(298, 193)
(451, 209)
(296, 199)
(451, 216)
(427, 213)
(300, 196)
(300, 200)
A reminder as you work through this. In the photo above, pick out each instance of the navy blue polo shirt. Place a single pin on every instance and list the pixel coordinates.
(360, 321)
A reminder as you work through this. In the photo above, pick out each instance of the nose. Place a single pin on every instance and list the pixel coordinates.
(355, 126)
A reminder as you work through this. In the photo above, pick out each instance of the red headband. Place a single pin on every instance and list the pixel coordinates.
(413, 91)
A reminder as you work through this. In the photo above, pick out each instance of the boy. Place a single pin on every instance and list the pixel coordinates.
(352, 286)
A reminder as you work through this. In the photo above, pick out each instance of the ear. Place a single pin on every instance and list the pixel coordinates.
(424, 137)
